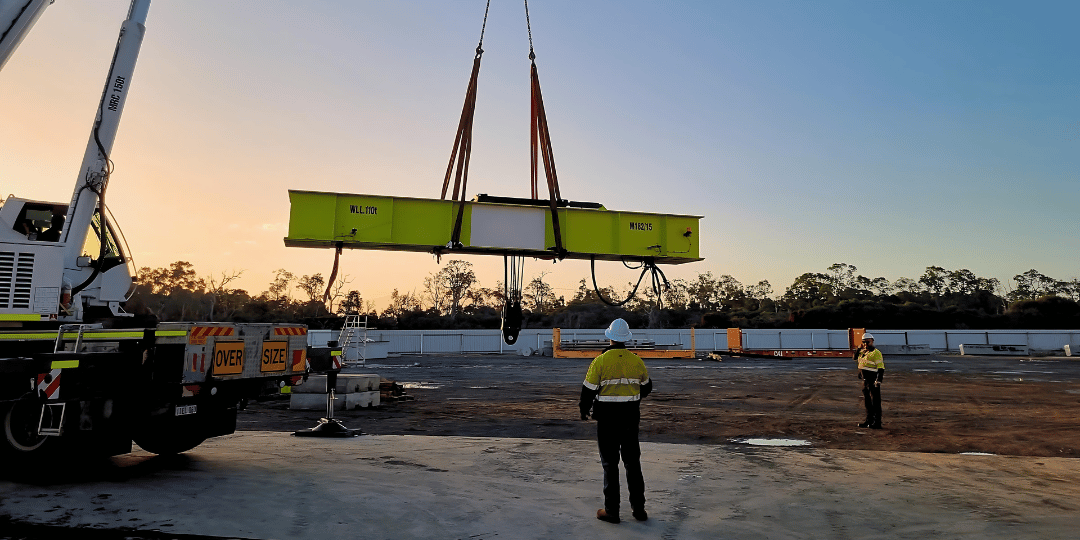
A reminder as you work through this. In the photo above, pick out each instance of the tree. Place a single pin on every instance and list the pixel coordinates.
(760, 292)
(175, 293)
(730, 292)
(1031, 285)
(677, 295)
(934, 279)
(351, 303)
(313, 286)
(704, 292)
(434, 292)
(217, 290)
(279, 287)
(810, 289)
(907, 285)
(842, 276)
(456, 278)
(539, 294)
(962, 281)
(401, 304)
(336, 291)
(880, 286)
(179, 276)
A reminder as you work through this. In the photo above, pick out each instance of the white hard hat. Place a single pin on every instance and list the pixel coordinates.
(618, 331)
(868, 336)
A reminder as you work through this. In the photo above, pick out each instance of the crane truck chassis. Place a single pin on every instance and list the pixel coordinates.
(166, 388)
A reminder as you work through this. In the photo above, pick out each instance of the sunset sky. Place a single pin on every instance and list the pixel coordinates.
(887, 135)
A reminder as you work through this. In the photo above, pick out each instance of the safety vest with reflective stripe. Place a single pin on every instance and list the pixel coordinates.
(617, 375)
(871, 360)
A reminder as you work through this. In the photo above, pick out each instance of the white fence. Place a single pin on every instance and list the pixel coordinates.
(950, 340)
(539, 340)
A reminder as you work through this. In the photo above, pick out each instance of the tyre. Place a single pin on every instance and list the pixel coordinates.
(20, 436)
(164, 442)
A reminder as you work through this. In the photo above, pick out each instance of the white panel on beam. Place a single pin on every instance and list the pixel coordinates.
(509, 227)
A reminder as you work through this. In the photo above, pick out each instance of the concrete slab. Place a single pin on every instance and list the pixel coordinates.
(271, 485)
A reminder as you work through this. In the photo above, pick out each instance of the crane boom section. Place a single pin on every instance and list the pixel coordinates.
(17, 17)
(93, 173)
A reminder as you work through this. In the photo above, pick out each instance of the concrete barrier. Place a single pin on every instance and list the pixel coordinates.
(993, 350)
(1068, 350)
(317, 402)
(346, 384)
(352, 391)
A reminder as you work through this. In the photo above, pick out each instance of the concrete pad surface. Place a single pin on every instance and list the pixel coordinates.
(271, 485)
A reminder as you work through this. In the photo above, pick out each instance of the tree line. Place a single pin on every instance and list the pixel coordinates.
(838, 297)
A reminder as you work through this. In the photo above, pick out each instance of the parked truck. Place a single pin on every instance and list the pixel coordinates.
(77, 370)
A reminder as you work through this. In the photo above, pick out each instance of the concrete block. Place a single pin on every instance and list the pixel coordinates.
(314, 402)
(1068, 350)
(351, 383)
(346, 384)
(316, 384)
(359, 400)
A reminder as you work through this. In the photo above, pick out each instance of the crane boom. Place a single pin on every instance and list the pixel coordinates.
(95, 168)
(16, 19)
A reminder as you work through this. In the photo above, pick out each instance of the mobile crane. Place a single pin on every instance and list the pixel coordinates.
(76, 371)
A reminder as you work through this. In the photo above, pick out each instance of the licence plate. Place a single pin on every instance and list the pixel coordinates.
(182, 410)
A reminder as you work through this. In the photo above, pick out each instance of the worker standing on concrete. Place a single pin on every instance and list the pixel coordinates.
(614, 386)
(871, 371)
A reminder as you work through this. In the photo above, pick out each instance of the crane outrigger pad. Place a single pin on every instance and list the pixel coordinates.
(490, 225)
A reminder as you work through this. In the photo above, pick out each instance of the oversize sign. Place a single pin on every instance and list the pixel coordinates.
(274, 356)
(228, 357)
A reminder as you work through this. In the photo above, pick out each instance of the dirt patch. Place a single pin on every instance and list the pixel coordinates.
(923, 412)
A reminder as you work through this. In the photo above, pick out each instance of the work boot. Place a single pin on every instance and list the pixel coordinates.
(640, 514)
(866, 423)
(876, 424)
(604, 515)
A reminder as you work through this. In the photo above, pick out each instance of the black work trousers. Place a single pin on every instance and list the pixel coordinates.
(619, 436)
(871, 396)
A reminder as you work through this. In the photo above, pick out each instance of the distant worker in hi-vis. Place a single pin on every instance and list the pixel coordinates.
(614, 386)
(871, 371)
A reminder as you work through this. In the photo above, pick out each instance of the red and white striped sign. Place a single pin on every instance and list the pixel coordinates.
(49, 384)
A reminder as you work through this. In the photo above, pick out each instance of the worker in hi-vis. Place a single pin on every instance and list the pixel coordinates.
(871, 371)
(614, 386)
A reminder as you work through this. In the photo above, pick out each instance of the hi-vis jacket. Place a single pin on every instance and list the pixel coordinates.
(872, 361)
(616, 380)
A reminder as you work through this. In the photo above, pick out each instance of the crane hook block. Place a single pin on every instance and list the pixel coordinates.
(511, 321)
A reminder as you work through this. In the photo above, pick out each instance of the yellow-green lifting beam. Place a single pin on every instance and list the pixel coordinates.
(357, 221)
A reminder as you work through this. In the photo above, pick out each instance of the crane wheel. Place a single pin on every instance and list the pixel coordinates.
(20, 437)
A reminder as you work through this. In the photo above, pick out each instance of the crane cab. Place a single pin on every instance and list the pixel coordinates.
(35, 283)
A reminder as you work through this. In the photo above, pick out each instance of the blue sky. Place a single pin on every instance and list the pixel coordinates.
(888, 135)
